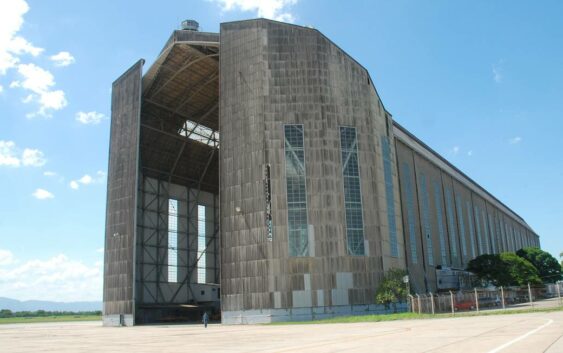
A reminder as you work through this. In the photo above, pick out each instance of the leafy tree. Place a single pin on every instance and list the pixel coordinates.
(503, 269)
(392, 289)
(490, 269)
(521, 271)
(548, 268)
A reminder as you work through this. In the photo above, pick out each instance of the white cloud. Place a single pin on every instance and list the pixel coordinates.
(86, 179)
(455, 150)
(470, 153)
(13, 49)
(6, 257)
(1, 88)
(12, 46)
(272, 9)
(8, 154)
(32, 157)
(42, 194)
(58, 278)
(63, 58)
(40, 81)
(49, 174)
(11, 156)
(515, 140)
(90, 118)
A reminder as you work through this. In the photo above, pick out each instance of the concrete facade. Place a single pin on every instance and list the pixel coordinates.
(250, 84)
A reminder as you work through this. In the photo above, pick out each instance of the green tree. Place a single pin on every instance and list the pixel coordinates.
(503, 269)
(521, 271)
(392, 289)
(6, 313)
(490, 269)
(548, 267)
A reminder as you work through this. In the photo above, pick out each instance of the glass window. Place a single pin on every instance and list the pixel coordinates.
(298, 236)
(508, 237)
(201, 244)
(461, 225)
(440, 221)
(388, 173)
(486, 232)
(492, 233)
(471, 229)
(410, 210)
(451, 223)
(352, 191)
(172, 241)
(478, 225)
(426, 219)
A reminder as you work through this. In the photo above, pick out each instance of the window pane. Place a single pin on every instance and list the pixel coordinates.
(298, 237)
(352, 192)
(388, 174)
(172, 241)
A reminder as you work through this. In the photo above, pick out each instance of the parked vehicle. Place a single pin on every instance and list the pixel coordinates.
(464, 305)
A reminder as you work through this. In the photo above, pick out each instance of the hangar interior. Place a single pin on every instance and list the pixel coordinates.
(177, 250)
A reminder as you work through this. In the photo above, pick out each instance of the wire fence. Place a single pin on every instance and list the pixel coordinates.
(478, 299)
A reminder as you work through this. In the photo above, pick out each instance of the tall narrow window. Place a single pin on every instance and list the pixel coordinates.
(426, 219)
(406, 175)
(201, 244)
(388, 173)
(298, 236)
(486, 232)
(478, 225)
(440, 221)
(503, 234)
(513, 239)
(172, 240)
(451, 223)
(507, 232)
(492, 233)
(461, 225)
(352, 192)
(471, 229)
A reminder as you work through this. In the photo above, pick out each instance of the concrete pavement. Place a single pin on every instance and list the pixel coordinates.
(529, 333)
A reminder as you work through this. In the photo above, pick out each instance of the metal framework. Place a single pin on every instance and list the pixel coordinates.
(179, 143)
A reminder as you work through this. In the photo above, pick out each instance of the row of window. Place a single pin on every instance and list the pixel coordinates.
(490, 230)
(298, 235)
(173, 242)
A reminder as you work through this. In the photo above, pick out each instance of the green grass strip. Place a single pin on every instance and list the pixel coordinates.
(59, 318)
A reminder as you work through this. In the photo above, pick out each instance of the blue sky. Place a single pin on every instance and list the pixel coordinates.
(481, 82)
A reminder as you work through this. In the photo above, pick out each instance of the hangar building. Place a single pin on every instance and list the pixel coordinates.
(256, 173)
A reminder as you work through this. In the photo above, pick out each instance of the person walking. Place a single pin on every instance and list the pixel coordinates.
(205, 319)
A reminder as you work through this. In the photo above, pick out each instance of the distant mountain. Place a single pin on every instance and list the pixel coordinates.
(33, 305)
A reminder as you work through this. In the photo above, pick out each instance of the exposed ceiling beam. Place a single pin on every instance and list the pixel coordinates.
(182, 69)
